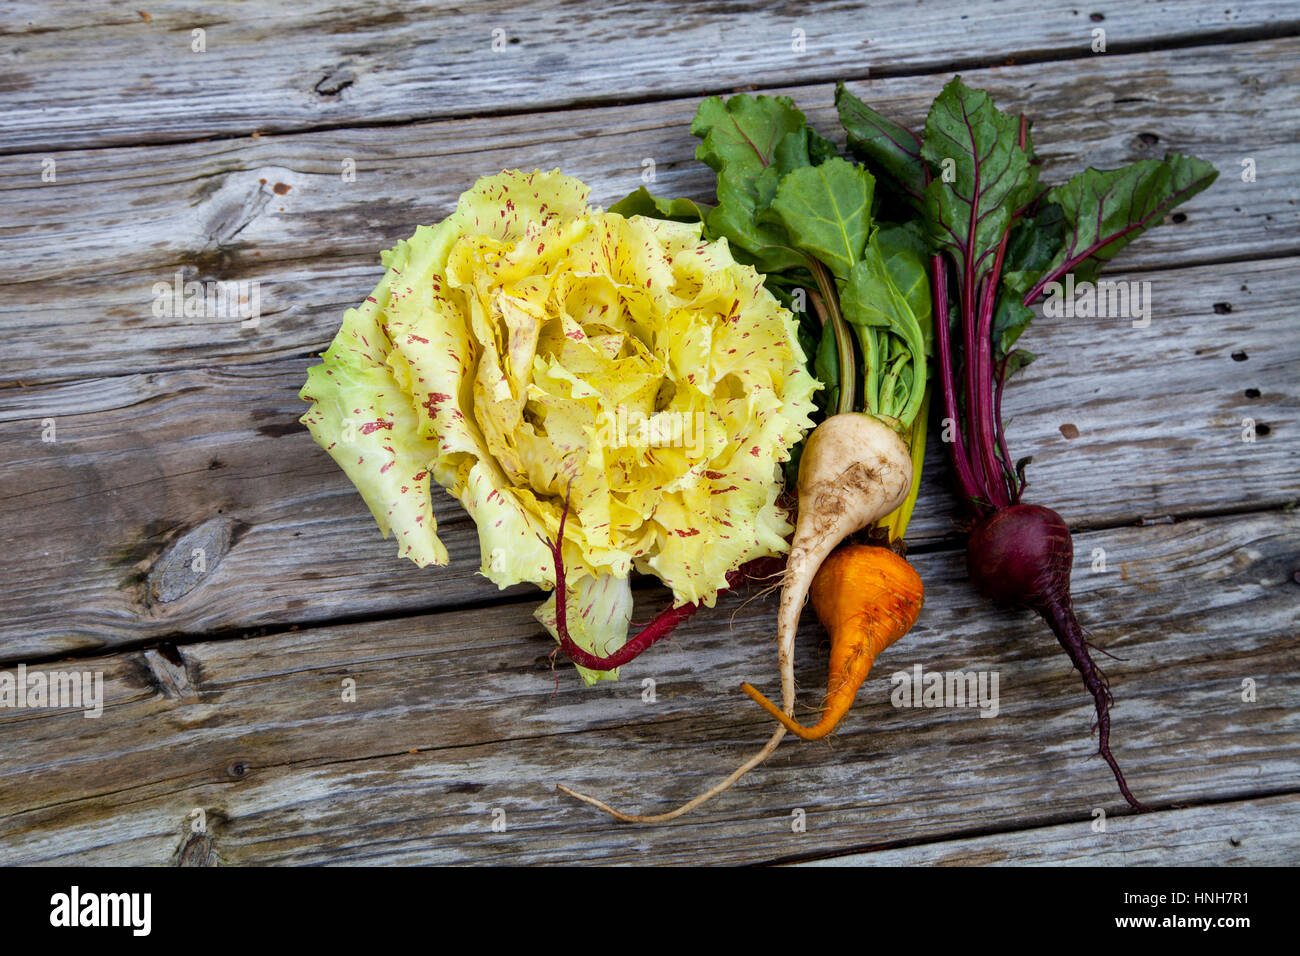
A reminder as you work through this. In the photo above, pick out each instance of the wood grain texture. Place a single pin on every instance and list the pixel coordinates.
(457, 715)
(177, 436)
(99, 526)
(97, 75)
(1246, 833)
(78, 267)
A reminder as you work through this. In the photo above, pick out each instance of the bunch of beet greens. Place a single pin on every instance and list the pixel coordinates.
(1000, 238)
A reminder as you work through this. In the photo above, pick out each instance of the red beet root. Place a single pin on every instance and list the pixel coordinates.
(1022, 555)
(987, 224)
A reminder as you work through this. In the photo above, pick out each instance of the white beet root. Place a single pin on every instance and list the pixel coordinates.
(854, 471)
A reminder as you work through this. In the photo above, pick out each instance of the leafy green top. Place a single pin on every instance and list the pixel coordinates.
(1000, 239)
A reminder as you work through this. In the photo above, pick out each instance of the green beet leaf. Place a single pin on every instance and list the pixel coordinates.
(644, 203)
(1105, 210)
(982, 175)
(751, 142)
(887, 301)
(826, 212)
(891, 151)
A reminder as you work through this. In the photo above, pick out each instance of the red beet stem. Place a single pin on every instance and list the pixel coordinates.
(660, 627)
(656, 630)
(1022, 555)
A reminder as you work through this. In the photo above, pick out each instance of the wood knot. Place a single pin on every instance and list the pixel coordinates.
(169, 673)
(197, 851)
(187, 561)
(335, 82)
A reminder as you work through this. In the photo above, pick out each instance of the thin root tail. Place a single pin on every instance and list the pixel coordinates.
(1060, 617)
(690, 805)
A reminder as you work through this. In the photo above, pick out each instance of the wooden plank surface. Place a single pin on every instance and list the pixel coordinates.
(78, 266)
(102, 74)
(99, 526)
(257, 735)
(1246, 833)
(225, 686)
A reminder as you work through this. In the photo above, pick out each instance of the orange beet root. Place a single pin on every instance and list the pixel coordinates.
(866, 597)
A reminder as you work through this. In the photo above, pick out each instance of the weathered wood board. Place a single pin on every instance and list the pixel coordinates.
(78, 280)
(256, 733)
(225, 687)
(108, 74)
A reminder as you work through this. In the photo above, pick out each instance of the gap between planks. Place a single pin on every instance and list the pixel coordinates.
(975, 846)
(553, 59)
(1278, 31)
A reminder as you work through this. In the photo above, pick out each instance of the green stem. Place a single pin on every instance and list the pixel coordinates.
(895, 524)
(843, 338)
(886, 404)
(871, 362)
